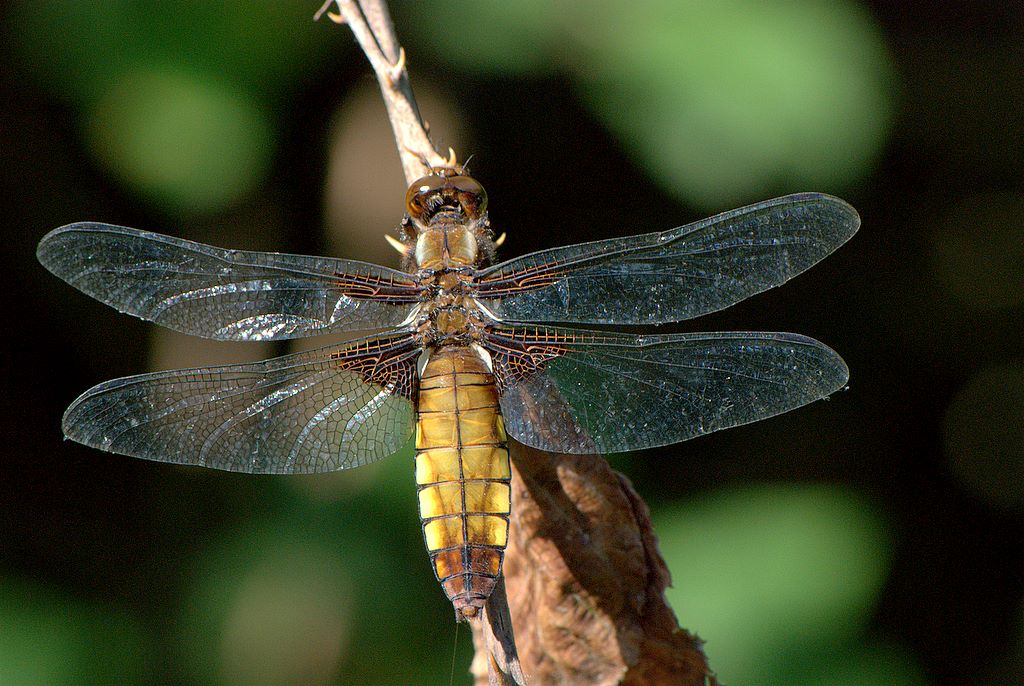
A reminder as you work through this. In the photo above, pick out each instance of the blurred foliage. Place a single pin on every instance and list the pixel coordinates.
(175, 96)
(984, 434)
(182, 143)
(720, 101)
(779, 580)
(80, 51)
(50, 639)
(318, 588)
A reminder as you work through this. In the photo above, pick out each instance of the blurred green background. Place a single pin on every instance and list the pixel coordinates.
(874, 539)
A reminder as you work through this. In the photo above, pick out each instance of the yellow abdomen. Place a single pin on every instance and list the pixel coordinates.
(462, 475)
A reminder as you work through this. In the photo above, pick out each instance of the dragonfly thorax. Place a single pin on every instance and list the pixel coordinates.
(452, 317)
(446, 247)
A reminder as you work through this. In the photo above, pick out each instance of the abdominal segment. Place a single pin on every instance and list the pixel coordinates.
(462, 476)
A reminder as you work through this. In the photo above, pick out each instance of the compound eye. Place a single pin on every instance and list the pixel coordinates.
(470, 194)
(417, 198)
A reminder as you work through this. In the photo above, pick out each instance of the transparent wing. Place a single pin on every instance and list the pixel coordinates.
(674, 275)
(225, 294)
(571, 391)
(318, 411)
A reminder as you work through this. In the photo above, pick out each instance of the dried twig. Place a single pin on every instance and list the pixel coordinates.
(583, 574)
(371, 25)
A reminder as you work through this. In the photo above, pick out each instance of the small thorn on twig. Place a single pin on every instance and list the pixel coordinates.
(396, 69)
(501, 239)
(418, 155)
(333, 16)
(428, 160)
(396, 244)
(452, 160)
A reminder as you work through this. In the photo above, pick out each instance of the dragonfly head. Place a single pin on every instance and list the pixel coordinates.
(446, 222)
(446, 193)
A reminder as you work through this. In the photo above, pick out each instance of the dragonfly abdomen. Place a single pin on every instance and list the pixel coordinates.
(462, 475)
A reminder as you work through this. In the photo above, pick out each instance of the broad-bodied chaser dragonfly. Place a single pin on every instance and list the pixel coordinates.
(467, 359)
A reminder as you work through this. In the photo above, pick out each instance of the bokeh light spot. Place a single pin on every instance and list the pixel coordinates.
(763, 571)
(978, 251)
(190, 145)
(269, 607)
(984, 434)
(285, 626)
(731, 100)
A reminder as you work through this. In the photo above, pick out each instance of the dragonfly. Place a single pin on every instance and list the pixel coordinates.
(461, 352)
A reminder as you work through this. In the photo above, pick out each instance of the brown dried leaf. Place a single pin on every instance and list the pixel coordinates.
(585, 581)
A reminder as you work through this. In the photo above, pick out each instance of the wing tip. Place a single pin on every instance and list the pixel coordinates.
(70, 424)
(44, 250)
(832, 371)
(839, 376)
(52, 240)
(848, 215)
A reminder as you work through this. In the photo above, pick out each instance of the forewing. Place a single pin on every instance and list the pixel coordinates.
(225, 294)
(674, 275)
(319, 411)
(571, 391)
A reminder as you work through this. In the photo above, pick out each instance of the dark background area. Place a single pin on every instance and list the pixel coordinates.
(132, 566)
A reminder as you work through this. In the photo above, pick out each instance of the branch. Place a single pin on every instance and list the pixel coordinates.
(583, 574)
(371, 25)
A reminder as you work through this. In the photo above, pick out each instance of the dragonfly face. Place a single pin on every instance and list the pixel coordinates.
(446, 222)
(463, 356)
